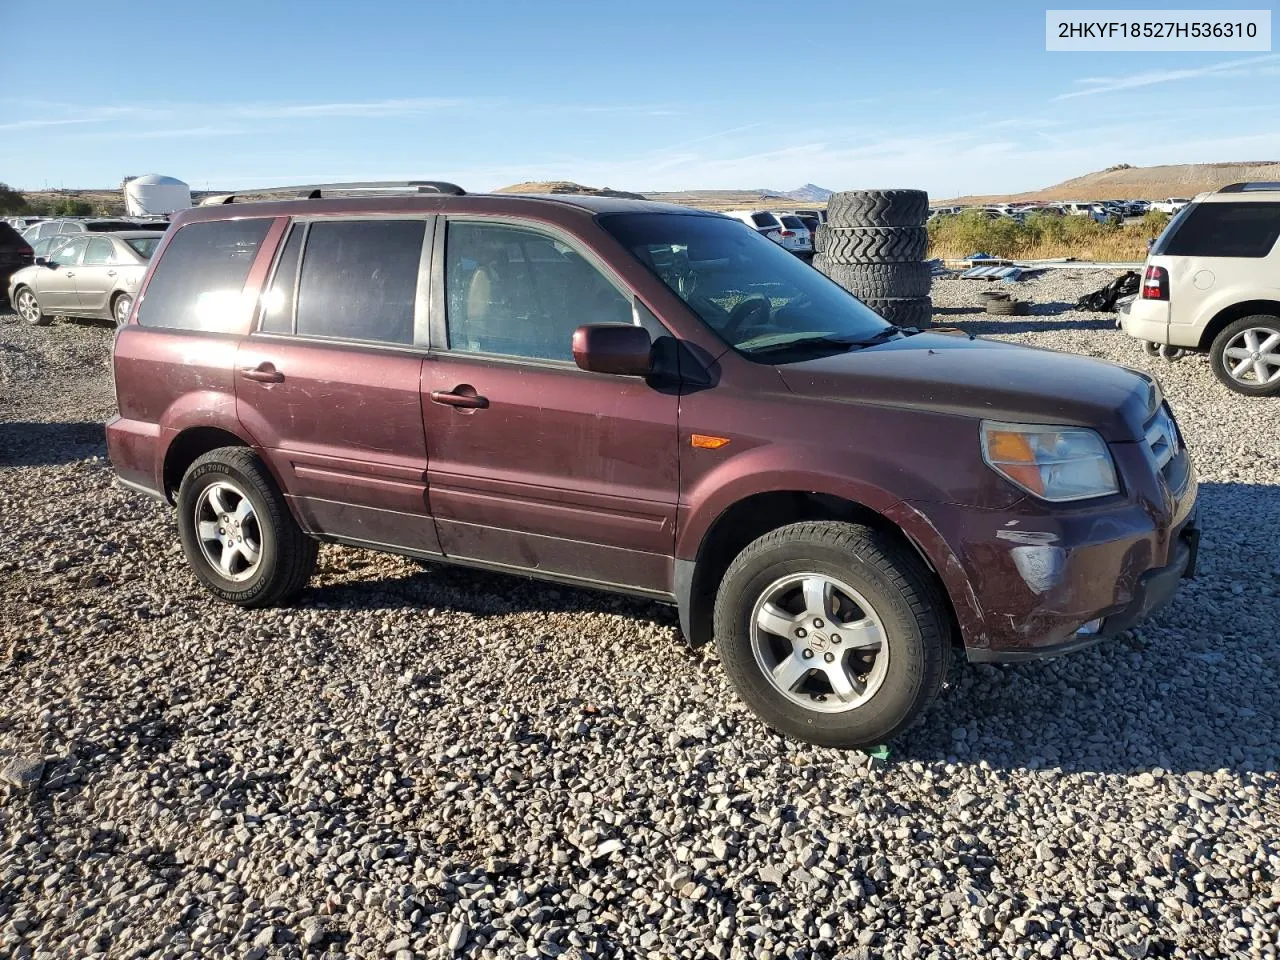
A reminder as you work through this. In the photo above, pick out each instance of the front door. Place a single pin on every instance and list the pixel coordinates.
(56, 283)
(330, 389)
(536, 464)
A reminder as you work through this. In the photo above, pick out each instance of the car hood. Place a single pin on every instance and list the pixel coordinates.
(957, 374)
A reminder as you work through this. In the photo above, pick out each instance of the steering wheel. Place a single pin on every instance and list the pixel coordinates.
(747, 309)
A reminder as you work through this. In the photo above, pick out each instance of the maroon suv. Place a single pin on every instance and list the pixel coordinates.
(651, 400)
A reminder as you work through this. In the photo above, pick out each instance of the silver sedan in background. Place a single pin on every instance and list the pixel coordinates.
(91, 275)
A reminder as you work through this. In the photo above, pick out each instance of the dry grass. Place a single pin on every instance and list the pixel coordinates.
(1042, 237)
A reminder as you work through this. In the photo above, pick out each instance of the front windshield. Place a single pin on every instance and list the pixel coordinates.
(756, 296)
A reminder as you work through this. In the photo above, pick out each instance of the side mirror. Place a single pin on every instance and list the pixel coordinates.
(617, 348)
(42, 261)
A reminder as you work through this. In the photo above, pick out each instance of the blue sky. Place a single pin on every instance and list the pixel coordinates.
(956, 98)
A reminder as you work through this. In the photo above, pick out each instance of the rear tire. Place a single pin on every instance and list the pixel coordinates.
(230, 507)
(881, 602)
(28, 308)
(121, 307)
(1251, 347)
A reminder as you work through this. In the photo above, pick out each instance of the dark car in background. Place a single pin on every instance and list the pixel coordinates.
(15, 253)
(650, 400)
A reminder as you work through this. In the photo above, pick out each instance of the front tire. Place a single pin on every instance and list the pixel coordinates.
(28, 308)
(832, 633)
(1245, 356)
(237, 533)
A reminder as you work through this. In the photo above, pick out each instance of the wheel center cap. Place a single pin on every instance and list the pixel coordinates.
(1257, 356)
(818, 642)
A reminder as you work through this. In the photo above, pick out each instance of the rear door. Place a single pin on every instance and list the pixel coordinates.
(328, 384)
(56, 283)
(97, 275)
(536, 464)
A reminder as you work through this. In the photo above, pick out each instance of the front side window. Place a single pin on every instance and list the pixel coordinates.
(359, 280)
(517, 292)
(99, 252)
(198, 282)
(1223, 230)
(762, 301)
(70, 253)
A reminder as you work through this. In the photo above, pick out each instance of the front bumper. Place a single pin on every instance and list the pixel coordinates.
(1036, 580)
(1156, 589)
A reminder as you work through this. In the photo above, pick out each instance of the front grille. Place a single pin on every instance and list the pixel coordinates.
(1162, 438)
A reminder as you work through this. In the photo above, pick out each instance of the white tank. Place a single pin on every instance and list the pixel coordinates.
(153, 194)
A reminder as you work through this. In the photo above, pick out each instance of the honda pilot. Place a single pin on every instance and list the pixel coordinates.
(650, 400)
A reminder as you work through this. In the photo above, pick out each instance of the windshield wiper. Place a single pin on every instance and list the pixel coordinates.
(880, 336)
(835, 343)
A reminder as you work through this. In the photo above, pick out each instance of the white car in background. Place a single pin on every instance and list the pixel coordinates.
(1171, 205)
(1212, 284)
(771, 225)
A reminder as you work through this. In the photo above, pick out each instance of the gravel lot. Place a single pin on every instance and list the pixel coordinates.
(429, 762)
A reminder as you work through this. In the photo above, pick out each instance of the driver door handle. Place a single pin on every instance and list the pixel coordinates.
(262, 373)
(451, 399)
(71, 273)
(111, 273)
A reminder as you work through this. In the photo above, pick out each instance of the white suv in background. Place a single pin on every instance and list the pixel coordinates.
(1212, 283)
(795, 238)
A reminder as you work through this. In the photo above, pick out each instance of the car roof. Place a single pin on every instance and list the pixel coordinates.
(132, 234)
(539, 206)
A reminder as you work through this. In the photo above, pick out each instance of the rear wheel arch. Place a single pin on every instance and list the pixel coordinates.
(187, 447)
(1229, 315)
(752, 517)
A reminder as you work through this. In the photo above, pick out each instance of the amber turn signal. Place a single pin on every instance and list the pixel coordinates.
(706, 442)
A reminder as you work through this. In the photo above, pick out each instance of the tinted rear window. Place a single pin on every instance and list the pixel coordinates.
(198, 281)
(10, 238)
(793, 223)
(764, 219)
(1224, 230)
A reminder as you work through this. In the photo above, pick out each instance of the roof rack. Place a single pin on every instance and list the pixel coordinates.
(318, 191)
(1250, 186)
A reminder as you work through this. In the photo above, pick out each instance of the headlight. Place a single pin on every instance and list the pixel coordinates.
(1053, 463)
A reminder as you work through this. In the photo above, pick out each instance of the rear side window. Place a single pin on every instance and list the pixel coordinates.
(764, 220)
(1224, 230)
(99, 252)
(199, 279)
(359, 280)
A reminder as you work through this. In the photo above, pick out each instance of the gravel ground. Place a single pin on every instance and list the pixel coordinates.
(430, 762)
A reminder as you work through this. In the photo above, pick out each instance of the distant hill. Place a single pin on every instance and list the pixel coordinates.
(810, 193)
(1124, 182)
(566, 186)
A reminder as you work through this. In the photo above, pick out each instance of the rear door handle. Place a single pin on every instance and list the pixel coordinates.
(262, 373)
(71, 273)
(453, 398)
(111, 273)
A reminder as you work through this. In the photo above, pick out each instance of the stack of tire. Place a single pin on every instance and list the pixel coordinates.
(873, 244)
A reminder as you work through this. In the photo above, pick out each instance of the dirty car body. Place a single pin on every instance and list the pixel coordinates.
(447, 443)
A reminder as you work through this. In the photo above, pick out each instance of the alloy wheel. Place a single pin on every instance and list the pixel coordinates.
(819, 642)
(1252, 356)
(28, 307)
(124, 304)
(228, 532)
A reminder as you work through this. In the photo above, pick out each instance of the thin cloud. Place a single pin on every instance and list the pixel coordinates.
(29, 124)
(1150, 78)
(355, 108)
